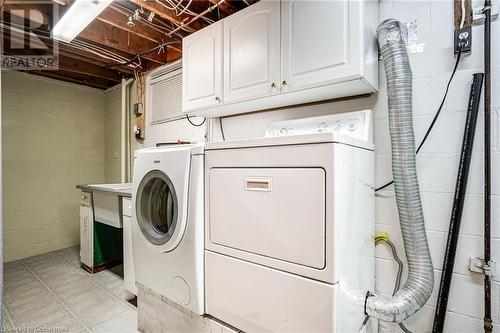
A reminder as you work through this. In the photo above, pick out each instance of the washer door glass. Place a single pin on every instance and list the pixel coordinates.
(156, 207)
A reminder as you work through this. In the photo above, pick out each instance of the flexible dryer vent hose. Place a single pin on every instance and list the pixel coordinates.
(418, 287)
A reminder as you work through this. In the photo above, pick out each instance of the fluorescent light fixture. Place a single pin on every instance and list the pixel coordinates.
(78, 16)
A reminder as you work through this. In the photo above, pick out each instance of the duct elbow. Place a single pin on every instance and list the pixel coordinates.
(399, 307)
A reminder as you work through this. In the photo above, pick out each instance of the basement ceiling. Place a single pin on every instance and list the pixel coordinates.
(129, 37)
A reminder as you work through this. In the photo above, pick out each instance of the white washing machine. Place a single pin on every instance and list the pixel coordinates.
(167, 223)
(290, 225)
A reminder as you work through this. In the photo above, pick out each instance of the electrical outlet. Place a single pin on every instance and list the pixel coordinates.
(138, 109)
(464, 36)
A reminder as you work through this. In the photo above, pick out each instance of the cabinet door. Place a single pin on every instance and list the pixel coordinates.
(86, 236)
(251, 52)
(202, 68)
(320, 42)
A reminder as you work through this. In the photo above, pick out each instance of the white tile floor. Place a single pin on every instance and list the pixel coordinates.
(52, 292)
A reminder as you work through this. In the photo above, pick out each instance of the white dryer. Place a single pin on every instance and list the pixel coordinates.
(167, 223)
(290, 225)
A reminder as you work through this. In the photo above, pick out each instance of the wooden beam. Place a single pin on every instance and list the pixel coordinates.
(225, 7)
(161, 11)
(74, 66)
(74, 78)
(458, 13)
(74, 52)
(158, 9)
(41, 20)
(118, 39)
(123, 41)
(90, 58)
(116, 17)
(68, 51)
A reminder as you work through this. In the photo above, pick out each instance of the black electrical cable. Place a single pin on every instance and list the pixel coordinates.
(222, 129)
(436, 115)
(196, 125)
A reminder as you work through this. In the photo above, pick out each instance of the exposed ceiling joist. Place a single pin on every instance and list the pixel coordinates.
(224, 6)
(11, 34)
(121, 40)
(100, 55)
(72, 65)
(90, 58)
(161, 11)
(116, 17)
(62, 75)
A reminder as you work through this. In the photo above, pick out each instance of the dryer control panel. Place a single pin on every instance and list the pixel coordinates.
(356, 124)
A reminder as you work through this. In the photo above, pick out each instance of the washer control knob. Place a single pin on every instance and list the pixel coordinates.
(323, 127)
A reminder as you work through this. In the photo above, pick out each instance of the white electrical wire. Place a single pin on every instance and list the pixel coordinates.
(179, 9)
(133, 66)
(174, 7)
(185, 8)
(101, 52)
(462, 21)
(209, 9)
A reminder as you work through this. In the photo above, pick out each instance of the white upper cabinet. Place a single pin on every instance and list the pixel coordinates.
(275, 54)
(202, 68)
(251, 52)
(319, 42)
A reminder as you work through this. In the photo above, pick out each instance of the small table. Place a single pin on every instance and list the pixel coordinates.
(101, 225)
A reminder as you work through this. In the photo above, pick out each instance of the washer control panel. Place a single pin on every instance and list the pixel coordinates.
(355, 124)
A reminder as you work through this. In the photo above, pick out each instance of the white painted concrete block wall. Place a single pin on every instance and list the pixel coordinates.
(172, 131)
(437, 162)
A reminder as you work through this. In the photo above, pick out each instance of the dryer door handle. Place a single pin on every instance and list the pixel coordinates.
(258, 184)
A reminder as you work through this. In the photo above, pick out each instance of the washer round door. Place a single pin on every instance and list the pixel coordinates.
(157, 211)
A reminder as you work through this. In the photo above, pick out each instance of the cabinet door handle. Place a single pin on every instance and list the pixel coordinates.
(284, 83)
(217, 99)
(273, 85)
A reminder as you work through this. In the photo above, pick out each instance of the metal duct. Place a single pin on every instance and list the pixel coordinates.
(420, 282)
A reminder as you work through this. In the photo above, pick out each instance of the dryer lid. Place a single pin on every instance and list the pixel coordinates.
(351, 128)
(193, 148)
(351, 124)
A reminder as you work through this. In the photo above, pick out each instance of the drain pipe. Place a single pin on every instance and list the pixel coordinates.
(124, 131)
(488, 326)
(458, 203)
(418, 287)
